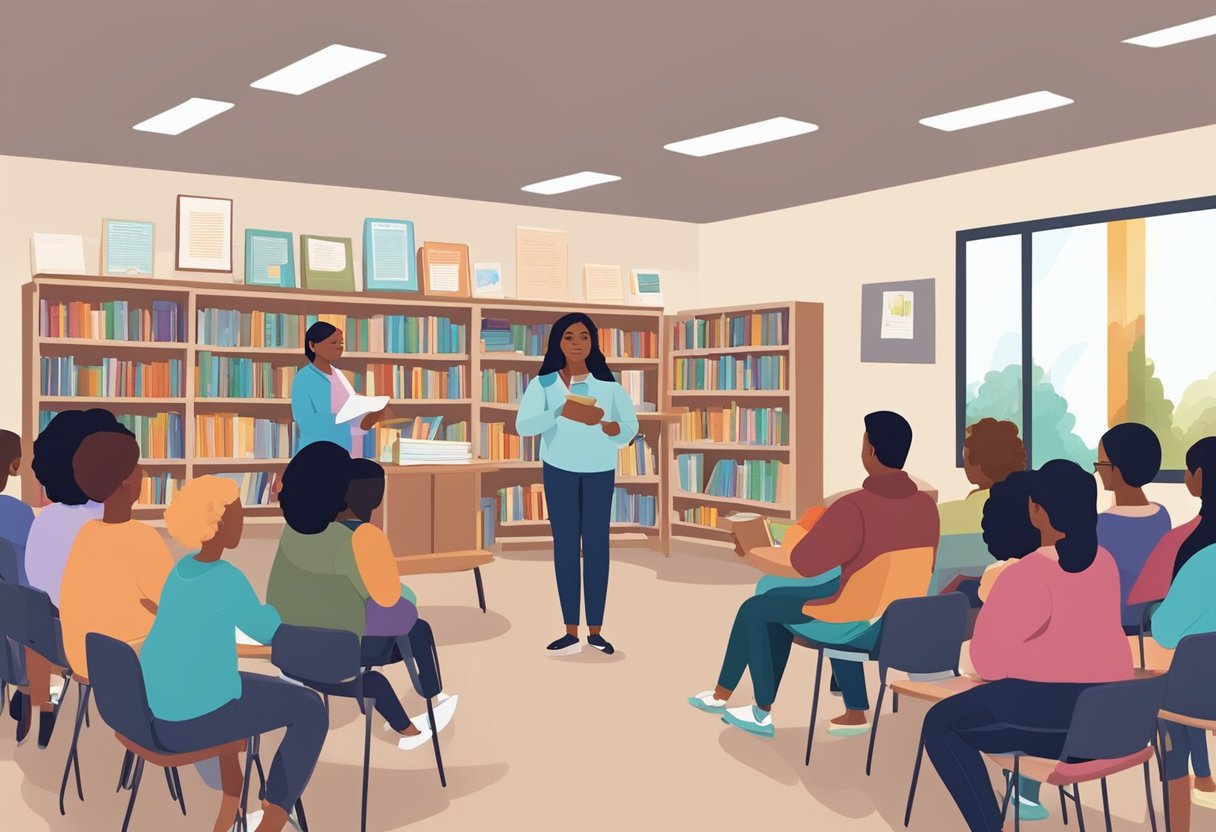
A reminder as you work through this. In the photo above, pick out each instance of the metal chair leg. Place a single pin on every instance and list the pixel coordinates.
(242, 817)
(1165, 785)
(894, 703)
(882, 689)
(810, 732)
(1140, 638)
(257, 761)
(430, 713)
(1007, 795)
(1076, 798)
(136, 776)
(481, 590)
(123, 773)
(1148, 797)
(73, 761)
(181, 798)
(169, 780)
(1016, 791)
(1105, 805)
(920, 753)
(369, 706)
(300, 817)
(1064, 805)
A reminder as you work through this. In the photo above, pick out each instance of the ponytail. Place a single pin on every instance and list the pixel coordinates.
(1201, 457)
(1069, 495)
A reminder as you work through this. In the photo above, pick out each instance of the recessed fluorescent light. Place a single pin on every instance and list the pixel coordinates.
(1181, 33)
(761, 132)
(181, 118)
(1019, 105)
(319, 68)
(573, 182)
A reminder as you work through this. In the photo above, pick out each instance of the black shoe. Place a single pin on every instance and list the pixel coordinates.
(46, 727)
(565, 645)
(600, 643)
(24, 721)
(15, 706)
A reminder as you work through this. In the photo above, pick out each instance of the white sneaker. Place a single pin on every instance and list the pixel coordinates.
(56, 693)
(255, 820)
(444, 710)
(705, 701)
(419, 739)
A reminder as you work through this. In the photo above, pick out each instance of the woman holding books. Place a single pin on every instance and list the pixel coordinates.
(319, 390)
(583, 417)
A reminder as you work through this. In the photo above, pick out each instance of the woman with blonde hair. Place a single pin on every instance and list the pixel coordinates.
(198, 698)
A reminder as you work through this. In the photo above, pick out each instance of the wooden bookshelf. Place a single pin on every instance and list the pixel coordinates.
(801, 398)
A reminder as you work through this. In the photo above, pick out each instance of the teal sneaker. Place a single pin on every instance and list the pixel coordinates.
(748, 719)
(1028, 810)
(705, 701)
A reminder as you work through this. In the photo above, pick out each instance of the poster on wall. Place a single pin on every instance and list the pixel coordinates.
(204, 235)
(898, 323)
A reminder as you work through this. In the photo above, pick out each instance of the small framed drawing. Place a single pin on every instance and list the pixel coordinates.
(127, 247)
(204, 235)
(325, 263)
(645, 287)
(487, 280)
(388, 256)
(445, 269)
(270, 258)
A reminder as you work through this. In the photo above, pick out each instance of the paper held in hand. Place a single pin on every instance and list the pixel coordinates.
(587, 401)
(357, 407)
(243, 638)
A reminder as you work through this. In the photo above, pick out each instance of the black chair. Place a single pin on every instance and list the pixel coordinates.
(329, 662)
(12, 635)
(1190, 694)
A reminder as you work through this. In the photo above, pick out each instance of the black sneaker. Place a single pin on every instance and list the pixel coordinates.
(24, 720)
(46, 727)
(565, 645)
(15, 706)
(600, 643)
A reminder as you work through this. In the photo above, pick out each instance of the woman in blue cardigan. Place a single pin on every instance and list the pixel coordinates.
(578, 446)
(319, 390)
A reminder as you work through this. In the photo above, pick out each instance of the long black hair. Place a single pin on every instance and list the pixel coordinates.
(316, 333)
(314, 487)
(1008, 532)
(555, 360)
(1201, 457)
(1069, 495)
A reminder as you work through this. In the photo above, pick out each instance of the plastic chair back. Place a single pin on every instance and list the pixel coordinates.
(44, 634)
(12, 635)
(904, 573)
(924, 635)
(10, 566)
(118, 688)
(1191, 682)
(1114, 720)
(317, 657)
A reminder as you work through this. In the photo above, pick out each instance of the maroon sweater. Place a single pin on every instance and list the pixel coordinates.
(887, 514)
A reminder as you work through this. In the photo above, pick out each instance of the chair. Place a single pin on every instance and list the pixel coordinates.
(12, 635)
(1113, 729)
(1190, 693)
(329, 662)
(959, 556)
(864, 599)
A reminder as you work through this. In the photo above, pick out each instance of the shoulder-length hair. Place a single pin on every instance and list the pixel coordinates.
(555, 360)
(1069, 495)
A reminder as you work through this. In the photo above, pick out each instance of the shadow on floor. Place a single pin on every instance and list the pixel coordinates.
(464, 625)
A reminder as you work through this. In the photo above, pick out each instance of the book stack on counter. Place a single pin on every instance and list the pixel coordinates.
(433, 452)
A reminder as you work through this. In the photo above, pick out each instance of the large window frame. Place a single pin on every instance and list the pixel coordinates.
(1026, 231)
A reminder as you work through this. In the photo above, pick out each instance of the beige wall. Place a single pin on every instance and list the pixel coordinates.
(824, 252)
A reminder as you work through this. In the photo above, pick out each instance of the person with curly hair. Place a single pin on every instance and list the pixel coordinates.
(198, 698)
(992, 450)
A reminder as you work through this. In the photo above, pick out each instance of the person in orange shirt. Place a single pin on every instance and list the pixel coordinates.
(117, 566)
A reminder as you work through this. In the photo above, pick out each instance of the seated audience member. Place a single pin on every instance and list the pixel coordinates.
(1049, 630)
(1158, 572)
(1129, 457)
(15, 516)
(316, 579)
(197, 696)
(888, 514)
(388, 623)
(1190, 609)
(117, 567)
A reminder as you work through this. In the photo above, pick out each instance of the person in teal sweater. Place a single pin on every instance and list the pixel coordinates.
(197, 696)
(319, 390)
(1189, 609)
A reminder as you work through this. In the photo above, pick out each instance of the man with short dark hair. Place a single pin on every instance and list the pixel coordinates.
(888, 513)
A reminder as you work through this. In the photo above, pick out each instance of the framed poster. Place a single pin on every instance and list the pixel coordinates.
(270, 258)
(127, 247)
(646, 287)
(445, 269)
(898, 322)
(204, 235)
(388, 256)
(487, 280)
(325, 263)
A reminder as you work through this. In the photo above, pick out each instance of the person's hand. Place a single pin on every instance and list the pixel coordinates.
(370, 420)
(611, 428)
(583, 413)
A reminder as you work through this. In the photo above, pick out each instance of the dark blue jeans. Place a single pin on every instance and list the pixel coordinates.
(580, 513)
(382, 650)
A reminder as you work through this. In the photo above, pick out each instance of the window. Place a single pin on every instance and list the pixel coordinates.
(1085, 322)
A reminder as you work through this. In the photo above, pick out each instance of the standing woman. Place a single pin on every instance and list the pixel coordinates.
(319, 390)
(578, 446)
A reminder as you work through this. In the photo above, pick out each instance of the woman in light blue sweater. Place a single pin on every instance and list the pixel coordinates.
(578, 446)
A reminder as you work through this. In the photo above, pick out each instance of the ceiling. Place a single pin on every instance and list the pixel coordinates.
(480, 97)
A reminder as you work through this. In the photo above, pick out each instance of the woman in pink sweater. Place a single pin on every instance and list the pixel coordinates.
(1051, 628)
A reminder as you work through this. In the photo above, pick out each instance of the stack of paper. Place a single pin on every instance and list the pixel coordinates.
(433, 452)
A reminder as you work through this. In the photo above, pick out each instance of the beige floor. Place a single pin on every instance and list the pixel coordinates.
(584, 743)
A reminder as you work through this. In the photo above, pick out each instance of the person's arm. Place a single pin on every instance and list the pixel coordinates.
(241, 605)
(833, 541)
(1189, 598)
(308, 409)
(1155, 577)
(377, 566)
(626, 418)
(1018, 606)
(533, 419)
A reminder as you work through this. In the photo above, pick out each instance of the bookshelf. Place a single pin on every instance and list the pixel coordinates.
(752, 381)
(200, 305)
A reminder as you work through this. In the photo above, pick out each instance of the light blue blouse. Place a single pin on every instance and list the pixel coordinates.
(311, 407)
(569, 445)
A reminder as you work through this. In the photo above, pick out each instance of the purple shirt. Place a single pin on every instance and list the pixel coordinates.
(51, 538)
(1130, 540)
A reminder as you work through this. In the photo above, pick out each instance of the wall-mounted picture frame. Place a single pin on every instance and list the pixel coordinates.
(388, 256)
(487, 280)
(445, 269)
(646, 287)
(128, 247)
(204, 235)
(270, 258)
(326, 264)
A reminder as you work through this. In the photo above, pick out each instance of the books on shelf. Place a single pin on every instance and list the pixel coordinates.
(761, 426)
(636, 460)
(500, 335)
(398, 381)
(257, 487)
(500, 442)
(116, 320)
(231, 377)
(62, 376)
(690, 469)
(627, 507)
(759, 480)
(518, 503)
(432, 452)
(503, 386)
(633, 382)
(750, 372)
(229, 436)
(158, 489)
(754, 329)
(625, 343)
(160, 435)
(487, 517)
(701, 516)
(401, 334)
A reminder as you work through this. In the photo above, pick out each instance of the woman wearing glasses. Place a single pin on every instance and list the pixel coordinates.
(583, 416)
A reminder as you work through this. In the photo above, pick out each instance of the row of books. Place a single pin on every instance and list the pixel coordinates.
(487, 517)
(749, 329)
(499, 441)
(503, 386)
(257, 487)
(690, 470)
(762, 426)
(116, 320)
(634, 383)
(624, 343)
(701, 516)
(158, 489)
(500, 335)
(517, 503)
(628, 507)
(403, 334)
(636, 460)
(160, 435)
(229, 436)
(62, 376)
(398, 381)
(751, 372)
(761, 480)
(230, 377)
(383, 443)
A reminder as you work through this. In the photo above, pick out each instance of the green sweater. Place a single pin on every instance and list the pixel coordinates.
(315, 582)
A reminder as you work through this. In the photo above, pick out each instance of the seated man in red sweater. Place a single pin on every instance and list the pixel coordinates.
(887, 514)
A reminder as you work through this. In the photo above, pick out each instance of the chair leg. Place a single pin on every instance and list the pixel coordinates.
(882, 689)
(894, 703)
(242, 817)
(169, 780)
(136, 776)
(481, 590)
(82, 705)
(1076, 798)
(1016, 791)
(430, 713)
(369, 706)
(123, 773)
(300, 817)
(325, 696)
(1165, 786)
(257, 762)
(1063, 805)
(177, 783)
(1006, 796)
(810, 732)
(1140, 638)
(1148, 797)
(1105, 805)
(920, 753)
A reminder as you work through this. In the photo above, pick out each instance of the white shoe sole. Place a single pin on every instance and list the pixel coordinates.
(416, 741)
(567, 651)
(440, 701)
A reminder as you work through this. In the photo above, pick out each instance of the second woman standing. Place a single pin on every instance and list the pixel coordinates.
(578, 446)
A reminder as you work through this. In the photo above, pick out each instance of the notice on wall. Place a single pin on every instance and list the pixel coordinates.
(897, 316)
